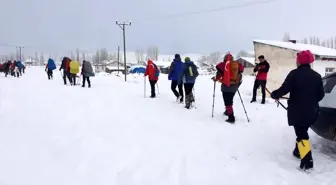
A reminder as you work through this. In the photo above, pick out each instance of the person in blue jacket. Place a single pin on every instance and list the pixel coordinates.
(20, 66)
(175, 75)
(190, 74)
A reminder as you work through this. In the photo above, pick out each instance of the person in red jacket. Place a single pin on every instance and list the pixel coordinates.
(153, 75)
(262, 69)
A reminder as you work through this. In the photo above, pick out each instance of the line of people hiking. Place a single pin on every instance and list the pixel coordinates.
(70, 70)
(13, 68)
(304, 85)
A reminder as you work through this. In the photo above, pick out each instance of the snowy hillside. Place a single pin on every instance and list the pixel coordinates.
(51, 134)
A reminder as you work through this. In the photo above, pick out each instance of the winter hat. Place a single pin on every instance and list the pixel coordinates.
(227, 57)
(305, 57)
(187, 59)
(177, 56)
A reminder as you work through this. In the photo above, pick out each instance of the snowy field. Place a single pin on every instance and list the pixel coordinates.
(51, 134)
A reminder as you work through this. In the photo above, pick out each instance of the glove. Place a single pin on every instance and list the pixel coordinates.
(274, 96)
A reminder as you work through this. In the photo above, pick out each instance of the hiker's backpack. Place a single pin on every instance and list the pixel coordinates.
(192, 71)
(235, 73)
(88, 70)
(51, 64)
(157, 71)
(74, 67)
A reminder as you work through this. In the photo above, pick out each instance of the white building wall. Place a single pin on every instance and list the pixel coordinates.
(320, 66)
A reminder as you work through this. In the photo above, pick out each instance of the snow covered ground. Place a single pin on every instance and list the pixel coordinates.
(51, 134)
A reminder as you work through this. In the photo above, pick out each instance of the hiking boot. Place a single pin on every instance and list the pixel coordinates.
(231, 119)
(305, 155)
(253, 100)
(262, 101)
(225, 113)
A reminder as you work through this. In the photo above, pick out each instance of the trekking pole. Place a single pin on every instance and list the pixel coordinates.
(157, 85)
(144, 86)
(213, 99)
(279, 103)
(248, 120)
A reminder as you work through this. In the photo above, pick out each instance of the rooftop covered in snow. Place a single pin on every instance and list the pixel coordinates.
(316, 50)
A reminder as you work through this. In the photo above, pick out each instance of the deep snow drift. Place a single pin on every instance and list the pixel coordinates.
(51, 134)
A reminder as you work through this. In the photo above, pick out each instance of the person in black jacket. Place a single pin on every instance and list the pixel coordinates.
(261, 78)
(306, 90)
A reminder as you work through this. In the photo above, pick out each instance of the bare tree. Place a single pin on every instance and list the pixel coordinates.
(324, 44)
(104, 54)
(83, 56)
(77, 54)
(331, 40)
(311, 41)
(305, 41)
(214, 57)
(286, 37)
(243, 53)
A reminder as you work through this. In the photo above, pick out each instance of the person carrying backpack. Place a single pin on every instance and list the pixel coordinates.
(229, 73)
(153, 72)
(50, 67)
(66, 69)
(74, 70)
(175, 75)
(190, 74)
(87, 72)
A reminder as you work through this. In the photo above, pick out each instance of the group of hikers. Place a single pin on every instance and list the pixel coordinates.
(181, 74)
(70, 70)
(304, 85)
(13, 68)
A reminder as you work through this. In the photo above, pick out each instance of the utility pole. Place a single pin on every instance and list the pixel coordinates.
(122, 26)
(20, 52)
(118, 58)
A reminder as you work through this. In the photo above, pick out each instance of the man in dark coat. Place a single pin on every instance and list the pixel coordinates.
(306, 90)
(261, 78)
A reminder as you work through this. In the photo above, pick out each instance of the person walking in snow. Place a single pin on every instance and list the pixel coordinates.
(66, 69)
(7, 67)
(87, 72)
(50, 67)
(175, 75)
(74, 70)
(229, 73)
(190, 73)
(305, 88)
(153, 72)
(261, 78)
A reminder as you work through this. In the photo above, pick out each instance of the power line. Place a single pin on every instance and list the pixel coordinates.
(246, 4)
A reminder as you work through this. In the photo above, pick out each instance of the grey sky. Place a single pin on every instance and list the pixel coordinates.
(63, 25)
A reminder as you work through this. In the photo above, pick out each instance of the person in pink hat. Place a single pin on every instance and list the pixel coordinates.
(306, 90)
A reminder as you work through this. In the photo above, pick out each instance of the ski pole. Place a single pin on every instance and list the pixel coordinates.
(279, 103)
(248, 120)
(144, 86)
(213, 99)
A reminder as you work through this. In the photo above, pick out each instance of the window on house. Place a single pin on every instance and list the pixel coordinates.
(329, 70)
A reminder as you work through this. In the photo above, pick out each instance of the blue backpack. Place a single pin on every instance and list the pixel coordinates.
(157, 71)
(51, 64)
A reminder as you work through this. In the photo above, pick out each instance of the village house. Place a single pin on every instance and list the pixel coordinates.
(248, 63)
(282, 59)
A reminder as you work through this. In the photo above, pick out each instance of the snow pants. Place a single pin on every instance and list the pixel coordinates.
(66, 74)
(175, 83)
(50, 74)
(189, 97)
(257, 84)
(228, 102)
(152, 85)
(303, 147)
(86, 79)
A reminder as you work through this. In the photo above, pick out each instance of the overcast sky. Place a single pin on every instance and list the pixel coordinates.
(62, 25)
